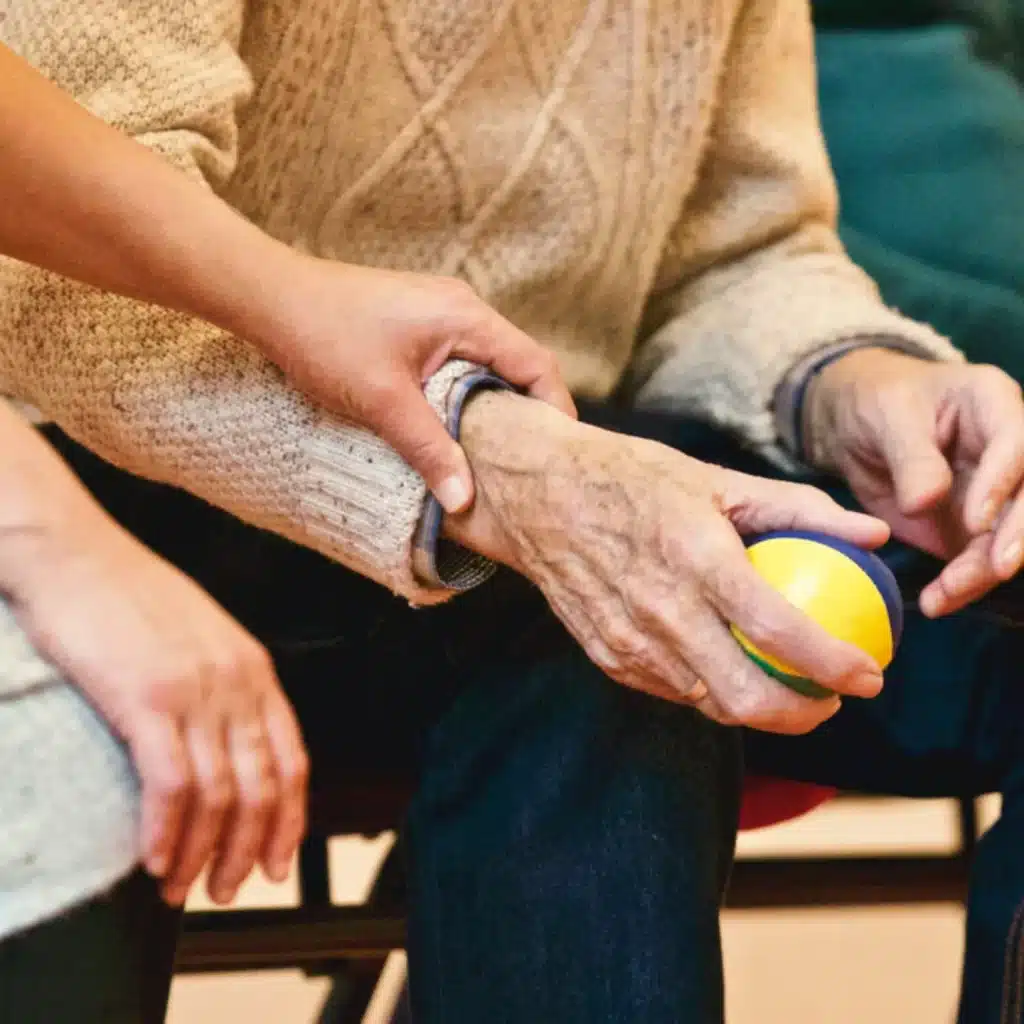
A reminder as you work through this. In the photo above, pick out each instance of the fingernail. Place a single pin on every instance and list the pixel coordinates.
(453, 494)
(1010, 559)
(279, 871)
(224, 895)
(869, 683)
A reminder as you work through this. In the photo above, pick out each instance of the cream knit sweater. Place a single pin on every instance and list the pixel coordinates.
(642, 186)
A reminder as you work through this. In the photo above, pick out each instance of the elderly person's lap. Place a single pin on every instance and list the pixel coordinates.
(555, 808)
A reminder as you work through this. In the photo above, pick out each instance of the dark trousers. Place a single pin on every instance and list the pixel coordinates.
(570, 840)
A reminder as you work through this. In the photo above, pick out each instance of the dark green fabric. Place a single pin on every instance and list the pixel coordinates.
(927, 141)
(847, 14)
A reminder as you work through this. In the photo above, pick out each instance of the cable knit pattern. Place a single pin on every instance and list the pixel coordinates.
(600, 170)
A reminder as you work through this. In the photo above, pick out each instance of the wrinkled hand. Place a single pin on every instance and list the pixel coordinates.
(213, 738)
(638, 550)
(361, 342)
(937, 450)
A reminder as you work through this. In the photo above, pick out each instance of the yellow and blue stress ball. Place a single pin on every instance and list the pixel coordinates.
(849, 592)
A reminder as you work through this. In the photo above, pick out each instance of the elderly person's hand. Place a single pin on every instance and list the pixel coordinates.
(935, 449)
(638, 549)
(195, 698)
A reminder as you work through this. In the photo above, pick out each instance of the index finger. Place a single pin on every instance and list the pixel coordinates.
(1001, 466)
(739, 692)
(760, 505)
(518, 359)
(292, 762)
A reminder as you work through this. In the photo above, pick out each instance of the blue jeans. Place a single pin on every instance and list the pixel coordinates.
(570, 840)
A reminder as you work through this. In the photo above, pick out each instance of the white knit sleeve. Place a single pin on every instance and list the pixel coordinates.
(761, 278)
(158, 393)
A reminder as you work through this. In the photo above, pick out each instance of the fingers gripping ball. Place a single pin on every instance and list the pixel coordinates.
(850, 592)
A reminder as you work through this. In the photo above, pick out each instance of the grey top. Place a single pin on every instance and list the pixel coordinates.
(68, 793)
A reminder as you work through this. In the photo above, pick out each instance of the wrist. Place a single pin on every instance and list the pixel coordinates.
(832, 389)
(44, 508)
(517, 448)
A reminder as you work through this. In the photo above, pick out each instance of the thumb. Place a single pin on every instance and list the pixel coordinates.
(409, 424)
(920, 474)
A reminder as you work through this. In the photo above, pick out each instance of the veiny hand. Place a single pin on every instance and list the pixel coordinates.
(935, 449)
(638, 550)
(216, 745)
(361, 342)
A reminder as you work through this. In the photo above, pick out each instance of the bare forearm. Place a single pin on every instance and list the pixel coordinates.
(83, 200)
(43, 504)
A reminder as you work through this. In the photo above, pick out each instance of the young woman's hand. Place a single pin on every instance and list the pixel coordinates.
(214, 740)
(361, 342)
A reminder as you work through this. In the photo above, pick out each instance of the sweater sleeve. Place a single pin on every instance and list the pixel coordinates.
(169, 397)
(754, 279)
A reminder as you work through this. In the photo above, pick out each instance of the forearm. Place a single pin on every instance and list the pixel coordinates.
(44, 507)
(86, 201)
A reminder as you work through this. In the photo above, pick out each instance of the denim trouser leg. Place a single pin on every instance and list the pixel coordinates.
(570, 840)
(950, 722)
(570, 846)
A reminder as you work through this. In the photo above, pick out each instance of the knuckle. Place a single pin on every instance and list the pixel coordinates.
(296, 774)
(174, 784)
(605, 659)
(619, 636)
(638, 662)
(257, 660)
(226, 667)
(990, 376)
(218, 795)
(171, 689)
(261, 796)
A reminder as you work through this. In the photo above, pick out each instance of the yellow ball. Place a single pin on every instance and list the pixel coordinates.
(850, 592)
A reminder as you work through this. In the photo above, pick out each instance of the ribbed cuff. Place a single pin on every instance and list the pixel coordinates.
(438, 562)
